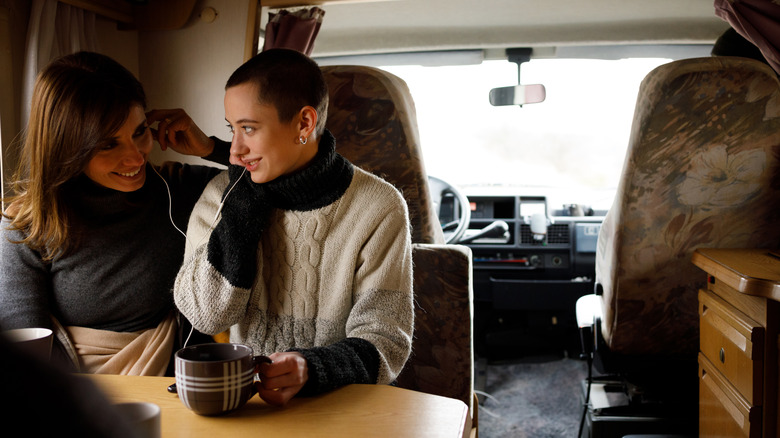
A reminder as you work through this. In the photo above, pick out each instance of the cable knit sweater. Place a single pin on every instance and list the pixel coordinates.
(331, 271)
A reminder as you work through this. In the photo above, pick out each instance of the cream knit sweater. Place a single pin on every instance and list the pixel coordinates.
(341, 271)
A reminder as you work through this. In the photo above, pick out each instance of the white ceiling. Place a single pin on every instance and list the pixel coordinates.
(414, 25)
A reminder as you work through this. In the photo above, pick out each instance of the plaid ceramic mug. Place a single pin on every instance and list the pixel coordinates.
(213, 379)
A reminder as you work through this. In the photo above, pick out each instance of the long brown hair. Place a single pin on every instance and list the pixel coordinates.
(79, 102)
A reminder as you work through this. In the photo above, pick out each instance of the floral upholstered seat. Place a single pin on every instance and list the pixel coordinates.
(372, 116)
(701, 170)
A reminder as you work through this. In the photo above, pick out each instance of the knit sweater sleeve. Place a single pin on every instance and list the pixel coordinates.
(221, 152)
(380, 325)
(25, 289)
(24, 284)
(209, 301)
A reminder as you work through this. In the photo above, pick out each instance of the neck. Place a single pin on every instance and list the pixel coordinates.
(323, 180)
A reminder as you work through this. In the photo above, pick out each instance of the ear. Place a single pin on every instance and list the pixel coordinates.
(307, 121)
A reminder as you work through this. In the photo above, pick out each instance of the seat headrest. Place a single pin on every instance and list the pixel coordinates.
(372, 115)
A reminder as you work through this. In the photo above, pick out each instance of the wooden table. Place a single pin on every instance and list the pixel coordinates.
(354, 410)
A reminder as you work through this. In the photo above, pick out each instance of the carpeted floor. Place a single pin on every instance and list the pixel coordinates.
(535, 398)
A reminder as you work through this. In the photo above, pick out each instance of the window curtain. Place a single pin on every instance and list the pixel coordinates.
(55, 29)
(756, 20)
(293, 30)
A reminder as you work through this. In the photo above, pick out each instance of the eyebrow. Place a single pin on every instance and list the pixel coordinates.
(142, 124)
(243, 121)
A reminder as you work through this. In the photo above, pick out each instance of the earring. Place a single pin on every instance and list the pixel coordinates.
(303, 139)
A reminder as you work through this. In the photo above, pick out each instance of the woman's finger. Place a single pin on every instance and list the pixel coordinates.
(277, 397)
(281, 381)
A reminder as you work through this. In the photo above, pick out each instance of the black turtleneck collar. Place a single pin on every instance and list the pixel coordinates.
(320, 183)
(91, 199)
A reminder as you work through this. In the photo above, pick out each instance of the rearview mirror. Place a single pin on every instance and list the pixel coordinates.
(517, 95)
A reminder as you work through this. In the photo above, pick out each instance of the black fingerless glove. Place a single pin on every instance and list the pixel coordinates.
(352, 360)
(232, 248)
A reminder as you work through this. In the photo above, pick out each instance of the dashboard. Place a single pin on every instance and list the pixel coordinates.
(529, 271)
(566, 245)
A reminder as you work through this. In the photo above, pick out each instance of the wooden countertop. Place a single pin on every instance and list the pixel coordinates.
(749, 271)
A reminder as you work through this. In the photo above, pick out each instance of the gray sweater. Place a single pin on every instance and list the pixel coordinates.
(121, 276)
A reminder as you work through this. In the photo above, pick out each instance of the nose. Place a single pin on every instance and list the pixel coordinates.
(237, 147)
(135, 154)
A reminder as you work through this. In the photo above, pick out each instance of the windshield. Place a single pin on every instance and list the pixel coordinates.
(569, 148)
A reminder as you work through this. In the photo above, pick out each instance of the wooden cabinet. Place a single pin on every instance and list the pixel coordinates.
(739, 313)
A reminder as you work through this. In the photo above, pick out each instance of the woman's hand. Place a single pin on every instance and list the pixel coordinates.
(282, 379)
(176, 130)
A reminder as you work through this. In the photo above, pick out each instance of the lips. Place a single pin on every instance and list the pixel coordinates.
(251, 165)
(129, 174)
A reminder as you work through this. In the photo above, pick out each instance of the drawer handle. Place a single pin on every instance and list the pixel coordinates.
(722, 355)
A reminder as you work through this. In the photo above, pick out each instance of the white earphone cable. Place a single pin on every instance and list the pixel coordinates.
(211, 227)
(170, 203)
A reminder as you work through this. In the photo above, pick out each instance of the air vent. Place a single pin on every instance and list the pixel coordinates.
(557, 234)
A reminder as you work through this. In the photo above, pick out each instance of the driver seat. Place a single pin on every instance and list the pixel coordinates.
(372, 115)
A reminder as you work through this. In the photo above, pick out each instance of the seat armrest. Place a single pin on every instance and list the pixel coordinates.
(442, 360)
(588, 311)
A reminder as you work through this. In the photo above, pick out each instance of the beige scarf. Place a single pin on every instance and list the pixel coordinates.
(141, 353)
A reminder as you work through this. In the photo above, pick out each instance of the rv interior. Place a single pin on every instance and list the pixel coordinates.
(530, 118)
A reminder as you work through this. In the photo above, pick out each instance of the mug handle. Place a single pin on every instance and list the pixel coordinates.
(257, 360)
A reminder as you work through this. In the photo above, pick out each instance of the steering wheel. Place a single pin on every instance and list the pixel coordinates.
(452, 207)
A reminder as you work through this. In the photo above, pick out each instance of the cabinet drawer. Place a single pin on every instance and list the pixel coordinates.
(733, 343)
(723, 412)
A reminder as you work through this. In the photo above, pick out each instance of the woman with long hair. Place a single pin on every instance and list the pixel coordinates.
(93, 236)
